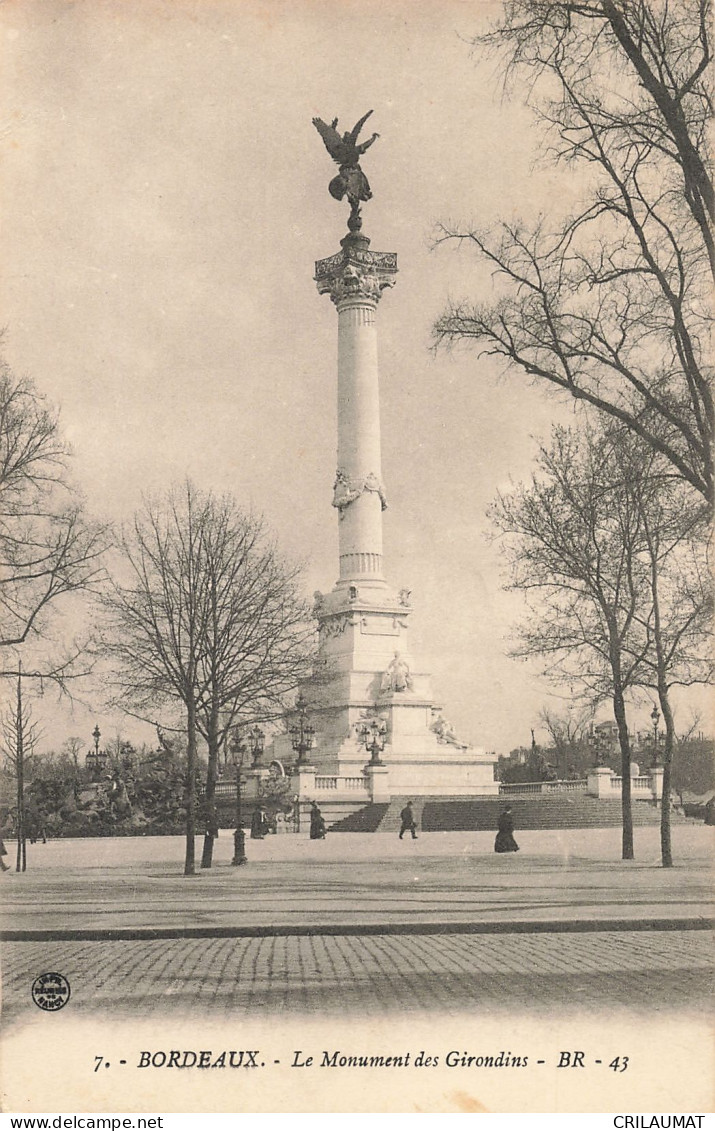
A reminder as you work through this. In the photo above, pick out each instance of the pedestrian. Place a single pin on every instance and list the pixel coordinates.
(408, 821)
(259, 824)
(317, 823)
(3, 852)
(505, 837)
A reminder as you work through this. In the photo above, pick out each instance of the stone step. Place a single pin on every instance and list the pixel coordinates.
(392, 821)
(365, 820)
(459, 814)
(536, 813)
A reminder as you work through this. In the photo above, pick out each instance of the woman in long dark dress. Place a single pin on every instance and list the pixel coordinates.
(505, 837)
(317, 824)
(259, 824)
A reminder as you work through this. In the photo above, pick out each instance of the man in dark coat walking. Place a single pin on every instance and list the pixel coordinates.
(408, 821)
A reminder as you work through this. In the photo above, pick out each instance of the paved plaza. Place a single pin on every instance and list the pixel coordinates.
(292, 883)
(372, 975)
(365, 924)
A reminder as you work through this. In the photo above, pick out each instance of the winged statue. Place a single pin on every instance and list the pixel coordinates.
(345, 150)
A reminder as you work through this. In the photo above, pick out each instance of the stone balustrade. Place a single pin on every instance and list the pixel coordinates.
(542, 787)
(337, 784)
(601, 782)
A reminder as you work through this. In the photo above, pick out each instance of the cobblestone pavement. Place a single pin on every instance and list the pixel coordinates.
(371, 975)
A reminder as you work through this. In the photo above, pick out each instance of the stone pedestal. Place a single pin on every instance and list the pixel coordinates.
(378, 783)
(254, 778)
(656, 782)
(599, 782)
(304, 775)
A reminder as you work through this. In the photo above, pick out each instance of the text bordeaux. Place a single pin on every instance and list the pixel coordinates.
(204, 1058)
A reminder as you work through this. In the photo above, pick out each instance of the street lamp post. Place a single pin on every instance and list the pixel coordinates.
(238, 750)
(302, 734)
(374, 735)
(655, 718)
(96, 759)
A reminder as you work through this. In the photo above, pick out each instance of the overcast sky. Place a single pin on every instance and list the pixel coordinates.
(164, 200)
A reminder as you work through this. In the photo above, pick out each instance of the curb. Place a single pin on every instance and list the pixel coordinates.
(514, 927)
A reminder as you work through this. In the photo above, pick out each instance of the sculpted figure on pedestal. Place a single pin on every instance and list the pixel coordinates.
(445, 732)
(346, 490)
(397, 677)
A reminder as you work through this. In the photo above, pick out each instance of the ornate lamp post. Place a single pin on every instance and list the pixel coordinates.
(238, 749)
(302, 734)
(655, 718)
(96, 759)
(373, 734)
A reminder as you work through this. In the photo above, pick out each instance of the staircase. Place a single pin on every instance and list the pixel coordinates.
(385, 817)
(392, 823)
(365, 820)
(480, 814)
(571, 812)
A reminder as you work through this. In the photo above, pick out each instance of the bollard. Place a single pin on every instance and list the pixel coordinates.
(239, 847)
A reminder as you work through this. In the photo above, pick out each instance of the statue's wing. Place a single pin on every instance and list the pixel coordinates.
(331, 137)
(358, 126)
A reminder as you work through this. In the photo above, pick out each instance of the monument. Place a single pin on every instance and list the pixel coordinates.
(377, 731)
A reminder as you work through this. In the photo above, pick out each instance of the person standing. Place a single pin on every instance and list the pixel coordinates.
(317, 823)
(407, 818)
(505, 836)
(259, 824)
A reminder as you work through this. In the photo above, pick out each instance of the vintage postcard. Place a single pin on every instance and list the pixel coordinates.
(355, 485)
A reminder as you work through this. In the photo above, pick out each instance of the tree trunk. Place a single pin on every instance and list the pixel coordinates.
(211, 831)
(21, 859)
(666, 851)
(619, 711)
(189, 860)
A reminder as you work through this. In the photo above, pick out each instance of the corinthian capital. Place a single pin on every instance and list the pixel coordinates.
(356, 273)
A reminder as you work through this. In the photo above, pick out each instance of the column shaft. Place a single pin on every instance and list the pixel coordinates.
(360, 524)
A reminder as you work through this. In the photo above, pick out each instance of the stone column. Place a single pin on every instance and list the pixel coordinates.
(355, 279)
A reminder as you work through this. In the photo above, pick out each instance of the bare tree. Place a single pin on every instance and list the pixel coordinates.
(19, 735)
(673, 628)
(613, 546)
(72, 747)
(48, 549)
(611, 304)
(573, 541)
(569, 736)
(258, 641)
(211, 619)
